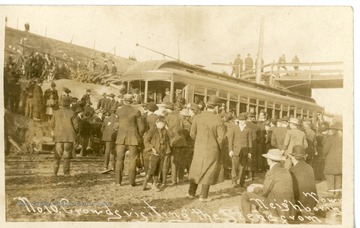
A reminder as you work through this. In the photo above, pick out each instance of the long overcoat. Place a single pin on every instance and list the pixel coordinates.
(38, 108)
(333, 155)
(208, 131)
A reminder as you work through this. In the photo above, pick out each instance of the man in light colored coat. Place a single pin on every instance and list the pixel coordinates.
(65, 126)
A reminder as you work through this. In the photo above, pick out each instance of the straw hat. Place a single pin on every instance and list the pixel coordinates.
(275, 155)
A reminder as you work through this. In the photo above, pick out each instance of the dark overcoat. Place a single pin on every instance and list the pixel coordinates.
(304, 182)
(108, 128)
(65, 125)
(130, 126)
(208, 131)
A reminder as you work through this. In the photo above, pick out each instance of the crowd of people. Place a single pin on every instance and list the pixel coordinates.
(202, 145)
(245, 67)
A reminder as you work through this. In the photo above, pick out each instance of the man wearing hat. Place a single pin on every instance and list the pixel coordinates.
(333, 157)
(101, 103)
(151, 117)
(319, 161)
(130, 128)
(208, 131)
(38, 102)
(276, 190)
(303, 178)
(310, 138)
(194, 109)
(255, 151)
(109, 137)
(229, 124)
(278, 133)
(177, 144)
(166, 98)
(239, 144)
(64, 127)
(52, 91)
(137, 96)
(86, 98)
(112, 102)
(293, 137)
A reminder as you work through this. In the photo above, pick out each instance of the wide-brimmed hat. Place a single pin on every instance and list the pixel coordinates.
(336, 126)
(53, 84)
(275, 155)
(214, 100)
(169, 105)
(111, 95)
(294, 121)
(152, 107)
(88, 90)
(298, 151)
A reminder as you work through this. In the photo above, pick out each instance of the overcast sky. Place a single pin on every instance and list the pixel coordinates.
(205, 34)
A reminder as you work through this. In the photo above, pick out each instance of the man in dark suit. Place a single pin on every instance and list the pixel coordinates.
(240, 143)
(64, 127)
(108, 137)
(112, 103)
(303, 178)
(129, 130)
(255, 152)
(277, 189)
(101, 102)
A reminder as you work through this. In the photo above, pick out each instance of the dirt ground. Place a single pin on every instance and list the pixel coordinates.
(32, 194)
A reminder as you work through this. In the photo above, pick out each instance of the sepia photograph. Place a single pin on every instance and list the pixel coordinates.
(224, 115)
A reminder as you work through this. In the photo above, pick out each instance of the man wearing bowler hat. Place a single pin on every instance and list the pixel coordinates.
(255, 152)
(276, 190)
(108, 137)
(129, 130)
(208, 131)
(303, 178)
(294, 136)
(101, 103)
(240, 144)
(333, 157)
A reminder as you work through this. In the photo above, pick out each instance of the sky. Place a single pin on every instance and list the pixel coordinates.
(202, 34)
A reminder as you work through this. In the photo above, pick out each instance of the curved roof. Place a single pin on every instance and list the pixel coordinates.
(146, 66)
(159, 64)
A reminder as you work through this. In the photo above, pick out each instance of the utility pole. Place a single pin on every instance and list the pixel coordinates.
(260, 51)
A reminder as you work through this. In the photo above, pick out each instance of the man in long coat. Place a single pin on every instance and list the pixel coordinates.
(38, 103)
(333, 157)
(278, 134)
(130, 128)
(64, 127)
(208, 131)
(294, 136)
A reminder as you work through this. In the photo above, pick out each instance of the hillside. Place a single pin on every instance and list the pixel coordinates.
(61, 50)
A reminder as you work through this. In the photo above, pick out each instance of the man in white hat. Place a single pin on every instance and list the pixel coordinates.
(294, 136)
(276, 190)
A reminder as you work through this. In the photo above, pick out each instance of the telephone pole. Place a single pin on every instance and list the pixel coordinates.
(260, 51)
